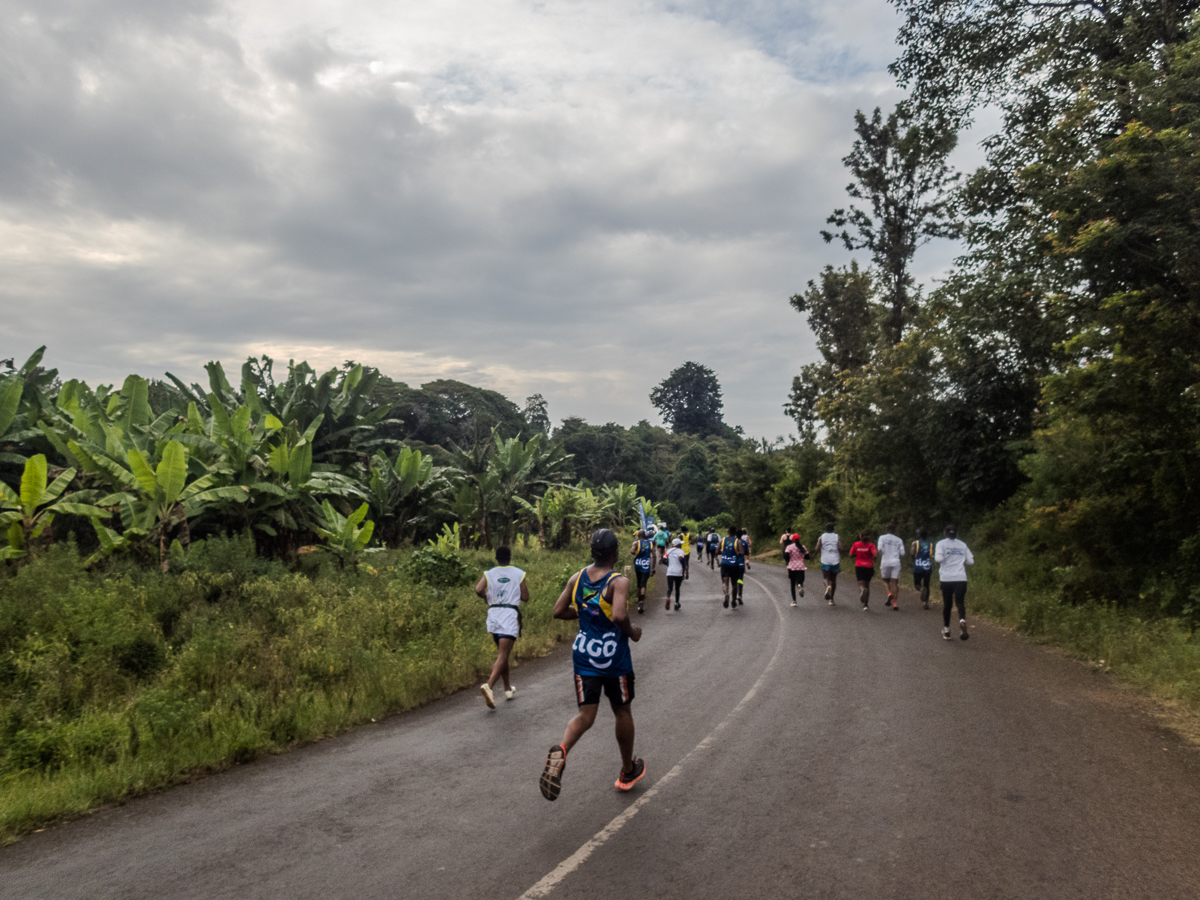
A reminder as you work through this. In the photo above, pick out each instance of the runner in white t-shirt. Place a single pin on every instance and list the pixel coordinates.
(675, 558)
(953, 557)
(891, 548)
(829, 548)
(504, 589)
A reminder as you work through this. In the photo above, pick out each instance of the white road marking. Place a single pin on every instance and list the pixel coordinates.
(580, 856)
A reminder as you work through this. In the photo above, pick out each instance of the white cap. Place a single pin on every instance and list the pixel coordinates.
(677, 542)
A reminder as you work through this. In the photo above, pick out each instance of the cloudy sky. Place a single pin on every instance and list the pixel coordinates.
(569, 197)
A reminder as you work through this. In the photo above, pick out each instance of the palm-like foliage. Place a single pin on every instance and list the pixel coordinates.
(27, 515)
(618, 504)
(405, 493)
(345, 536)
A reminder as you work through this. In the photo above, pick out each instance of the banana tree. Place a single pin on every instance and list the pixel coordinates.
(618, 503)
(403, 493)
(27, 516)
(345, 536)
(339, 398)
(473, 501)
(23, 397)
(156, 502)
(518, 471)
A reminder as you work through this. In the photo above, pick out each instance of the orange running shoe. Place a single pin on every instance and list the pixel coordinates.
(626, 781)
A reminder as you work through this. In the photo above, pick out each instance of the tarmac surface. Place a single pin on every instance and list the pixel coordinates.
(815, 752)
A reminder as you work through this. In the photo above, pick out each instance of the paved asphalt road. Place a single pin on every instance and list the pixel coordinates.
(814, 752)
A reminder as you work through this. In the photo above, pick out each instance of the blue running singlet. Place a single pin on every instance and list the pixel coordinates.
(641, 562)
(922, 562)
(733, 552)
(600, 648)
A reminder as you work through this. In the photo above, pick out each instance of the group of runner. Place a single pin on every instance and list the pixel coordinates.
(951, 555)
(598, 597)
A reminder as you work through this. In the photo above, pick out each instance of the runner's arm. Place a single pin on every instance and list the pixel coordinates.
(524, 591)
(481, 588)
(620, 608)
(562, 606)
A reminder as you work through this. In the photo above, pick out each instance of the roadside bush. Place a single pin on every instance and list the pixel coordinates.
(124, 680)
(437, 567)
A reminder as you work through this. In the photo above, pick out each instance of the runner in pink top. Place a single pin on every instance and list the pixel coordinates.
(795, 553)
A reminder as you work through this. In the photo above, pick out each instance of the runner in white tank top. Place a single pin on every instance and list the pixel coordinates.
(504, 588)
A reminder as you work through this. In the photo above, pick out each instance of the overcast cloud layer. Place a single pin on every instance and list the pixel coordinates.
(569, 198)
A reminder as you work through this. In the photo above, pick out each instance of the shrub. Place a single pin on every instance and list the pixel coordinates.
(440, 568)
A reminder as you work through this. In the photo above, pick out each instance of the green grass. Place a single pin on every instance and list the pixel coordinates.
(118, 683)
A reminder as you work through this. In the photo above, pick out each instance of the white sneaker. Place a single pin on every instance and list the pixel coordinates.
(946, 633)
(510, 693)
(962, 629)
(793, 603)
(487, 695)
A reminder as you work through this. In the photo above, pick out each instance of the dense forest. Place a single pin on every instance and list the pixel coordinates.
(1047, 388)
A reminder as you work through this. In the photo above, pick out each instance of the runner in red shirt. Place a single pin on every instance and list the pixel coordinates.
(863, 552)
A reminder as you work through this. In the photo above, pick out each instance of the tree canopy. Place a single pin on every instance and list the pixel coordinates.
(689, 399)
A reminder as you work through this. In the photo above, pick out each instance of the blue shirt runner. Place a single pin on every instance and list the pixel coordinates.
(642, 561)
(601, 648)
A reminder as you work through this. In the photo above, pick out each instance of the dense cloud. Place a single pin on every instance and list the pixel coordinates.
(570, 198)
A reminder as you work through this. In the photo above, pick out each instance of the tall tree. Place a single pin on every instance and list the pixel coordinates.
(689, 399)
(844, 316)
(537, 413)
(900, 170)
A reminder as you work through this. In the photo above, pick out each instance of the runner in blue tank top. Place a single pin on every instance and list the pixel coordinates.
(643, 564)
(922, 551)
(733, 565)
(596, 596)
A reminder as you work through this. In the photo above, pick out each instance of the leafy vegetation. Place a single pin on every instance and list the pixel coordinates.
(1049, 385)
(118, 682)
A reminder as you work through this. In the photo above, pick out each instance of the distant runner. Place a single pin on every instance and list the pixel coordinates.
(733, 567)
(686, 547)
(504, 589)
(922, 551)
(829, 547)
(745, 536)
(891, 548)
(714, 541)
(864, 552)
(596, 597)
(642, 552)
(676, 567)
(953, 557)
(662, 538)
(795, 553)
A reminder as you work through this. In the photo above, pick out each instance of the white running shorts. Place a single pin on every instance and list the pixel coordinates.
(889, 573)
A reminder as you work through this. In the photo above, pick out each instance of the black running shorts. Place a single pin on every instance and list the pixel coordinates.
(864, 573)
(642, 578)
(728, 571)
(618, 689)
(921, 577)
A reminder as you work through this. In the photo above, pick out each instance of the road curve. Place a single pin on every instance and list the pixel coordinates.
(815, 752)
